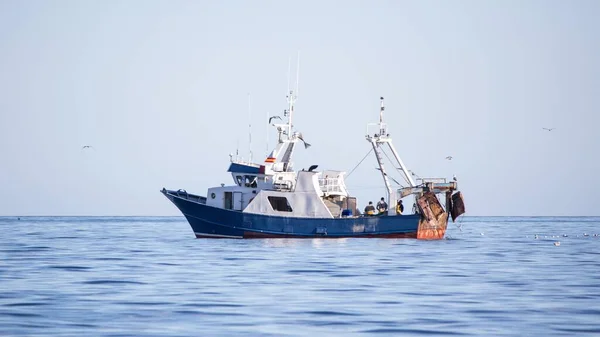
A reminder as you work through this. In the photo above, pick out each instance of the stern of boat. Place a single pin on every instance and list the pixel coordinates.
(434, 219)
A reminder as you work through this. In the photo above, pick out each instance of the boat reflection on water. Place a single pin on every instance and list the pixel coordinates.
(314, 242)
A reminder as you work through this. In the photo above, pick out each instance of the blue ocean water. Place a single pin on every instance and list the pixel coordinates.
(149, 276)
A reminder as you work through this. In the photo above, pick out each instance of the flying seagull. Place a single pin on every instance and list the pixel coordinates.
(87, 147)
(306, 145)
(273, 117)
(548, 129)
(449, 157)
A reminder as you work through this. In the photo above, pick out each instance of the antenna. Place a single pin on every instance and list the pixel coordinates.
(289, 75)
(382, 131)
(381, 111)
(297, 73)
(249, 128)
(292, 96)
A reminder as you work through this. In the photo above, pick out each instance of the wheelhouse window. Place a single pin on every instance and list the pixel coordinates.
(250, 181)
(239, 180)
(280, 204)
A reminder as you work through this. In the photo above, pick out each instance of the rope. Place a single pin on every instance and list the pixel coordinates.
(367, 188)
(365, 157)
(403, 177)
(460, 222)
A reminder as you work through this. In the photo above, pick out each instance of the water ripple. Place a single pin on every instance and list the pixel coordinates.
(144, 276)
(111, 282)
(413, 332)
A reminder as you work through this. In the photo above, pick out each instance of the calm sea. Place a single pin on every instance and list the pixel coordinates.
(149, 276)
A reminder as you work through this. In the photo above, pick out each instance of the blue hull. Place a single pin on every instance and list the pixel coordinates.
(211, 222)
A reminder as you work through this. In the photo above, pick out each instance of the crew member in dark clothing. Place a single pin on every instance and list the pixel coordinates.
(415, 209)
(370, 210)
(382, 206)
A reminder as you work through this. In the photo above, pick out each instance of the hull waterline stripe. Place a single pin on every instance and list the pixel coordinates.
(199, 234)
(257, 233)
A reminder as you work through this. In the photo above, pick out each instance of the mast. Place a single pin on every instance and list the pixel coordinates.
(287, 138)
(377, 140)
(292, 96)
(290, 138)
(291, 99)
(289, 113)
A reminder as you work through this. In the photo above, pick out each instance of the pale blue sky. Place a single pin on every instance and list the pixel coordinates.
(159, 88)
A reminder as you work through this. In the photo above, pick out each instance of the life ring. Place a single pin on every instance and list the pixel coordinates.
(213, 195)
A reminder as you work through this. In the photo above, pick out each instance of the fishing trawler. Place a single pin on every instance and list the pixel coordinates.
(272, 200)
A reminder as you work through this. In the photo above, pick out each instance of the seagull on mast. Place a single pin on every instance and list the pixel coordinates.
(385, 173)
(273, 117)
(548, 129)
(414, 174)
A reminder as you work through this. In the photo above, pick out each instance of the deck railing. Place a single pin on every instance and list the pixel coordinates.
(330, 185)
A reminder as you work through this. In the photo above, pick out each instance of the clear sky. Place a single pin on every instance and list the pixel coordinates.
(160, 89)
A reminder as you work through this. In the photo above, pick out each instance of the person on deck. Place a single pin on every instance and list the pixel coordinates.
(399, 208)
(382, 206)
(370, 210)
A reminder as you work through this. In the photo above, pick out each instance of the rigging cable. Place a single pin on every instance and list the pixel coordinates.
(403, 176)
(365, 157)
(460, 222)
